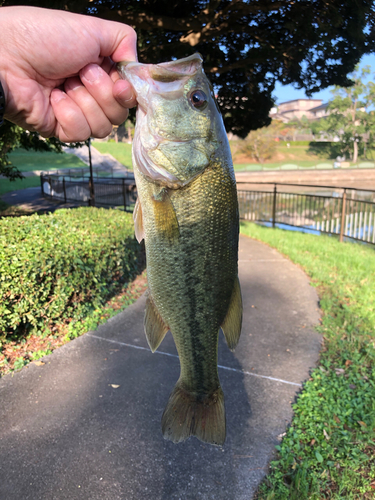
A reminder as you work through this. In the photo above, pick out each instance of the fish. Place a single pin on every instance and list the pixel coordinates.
(187, 214)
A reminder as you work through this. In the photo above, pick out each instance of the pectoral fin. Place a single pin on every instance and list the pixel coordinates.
(165, 218)
(233, 321)
(138, 221)
(155, 328)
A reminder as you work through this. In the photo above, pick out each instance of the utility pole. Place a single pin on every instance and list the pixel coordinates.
(91, 182)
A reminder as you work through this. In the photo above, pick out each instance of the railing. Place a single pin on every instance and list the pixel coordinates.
(346, 212)
(104, 191)
(84, 172)
(256, 167)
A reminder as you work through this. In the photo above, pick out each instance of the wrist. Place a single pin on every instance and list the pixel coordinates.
(2, 104)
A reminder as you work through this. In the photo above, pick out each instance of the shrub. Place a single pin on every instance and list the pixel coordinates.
(56, 264)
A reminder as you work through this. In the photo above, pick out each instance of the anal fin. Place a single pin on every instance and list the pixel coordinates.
(155, 328)
(233, 321)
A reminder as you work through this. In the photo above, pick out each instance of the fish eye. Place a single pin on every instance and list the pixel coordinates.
(198, 99)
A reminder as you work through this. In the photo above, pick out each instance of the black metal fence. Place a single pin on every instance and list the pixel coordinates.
(84, 173)
(347, 212)
(104, 191)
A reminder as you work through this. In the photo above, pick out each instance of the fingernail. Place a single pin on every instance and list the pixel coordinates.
(57, 95)
(92, 73)
(125, 92)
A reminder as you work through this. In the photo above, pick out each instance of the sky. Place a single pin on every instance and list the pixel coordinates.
(284, 93)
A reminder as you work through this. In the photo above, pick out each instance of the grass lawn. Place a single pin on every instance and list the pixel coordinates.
(6, 185)
(119, 150)
(284, 165)
(328, 452)
(26, 161)
(287, 158)
(294, 155)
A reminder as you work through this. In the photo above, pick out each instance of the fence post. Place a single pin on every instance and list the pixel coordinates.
(274, 206)
(343, 210)
(123, 193)
(64, 190)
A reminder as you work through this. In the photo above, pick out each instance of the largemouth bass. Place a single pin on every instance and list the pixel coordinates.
(187, 213)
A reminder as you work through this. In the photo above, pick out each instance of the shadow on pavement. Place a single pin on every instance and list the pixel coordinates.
(86, 424)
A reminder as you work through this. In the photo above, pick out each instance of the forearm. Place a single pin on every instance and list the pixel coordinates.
(2, 104)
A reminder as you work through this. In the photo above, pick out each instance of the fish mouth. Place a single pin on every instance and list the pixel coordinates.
(171, 71)
(168, 72)
(167, 78)
(156, 152)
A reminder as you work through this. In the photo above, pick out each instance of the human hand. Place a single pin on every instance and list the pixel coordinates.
(58, 73)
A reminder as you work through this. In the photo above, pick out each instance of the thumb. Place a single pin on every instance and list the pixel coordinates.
(117, 41)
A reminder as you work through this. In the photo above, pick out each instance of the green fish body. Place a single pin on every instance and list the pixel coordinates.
(187, 212)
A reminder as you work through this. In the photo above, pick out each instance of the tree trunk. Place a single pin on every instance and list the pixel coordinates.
(256, 154)
(355, 152)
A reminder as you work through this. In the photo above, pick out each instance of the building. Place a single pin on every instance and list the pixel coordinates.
(296, 109)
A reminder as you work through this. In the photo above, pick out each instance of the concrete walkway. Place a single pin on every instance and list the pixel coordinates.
(103, 161)
(32, 200)
(86, 424)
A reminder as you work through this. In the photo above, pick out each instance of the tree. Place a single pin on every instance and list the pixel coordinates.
(247, 45)
(259, 144)
(295, 127)
(348, 118)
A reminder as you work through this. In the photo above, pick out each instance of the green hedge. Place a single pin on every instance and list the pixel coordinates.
(294, 143)
(56, 264)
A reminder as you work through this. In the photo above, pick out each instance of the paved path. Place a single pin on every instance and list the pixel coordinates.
(32, 200)
(67, 433)
(99, 160)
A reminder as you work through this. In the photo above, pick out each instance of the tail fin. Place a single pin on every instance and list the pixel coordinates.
(185, 415)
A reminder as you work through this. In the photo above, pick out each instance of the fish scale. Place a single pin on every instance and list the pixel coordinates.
(190, 225)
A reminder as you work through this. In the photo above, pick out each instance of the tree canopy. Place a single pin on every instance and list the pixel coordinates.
(246, 45)
(349, 118)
